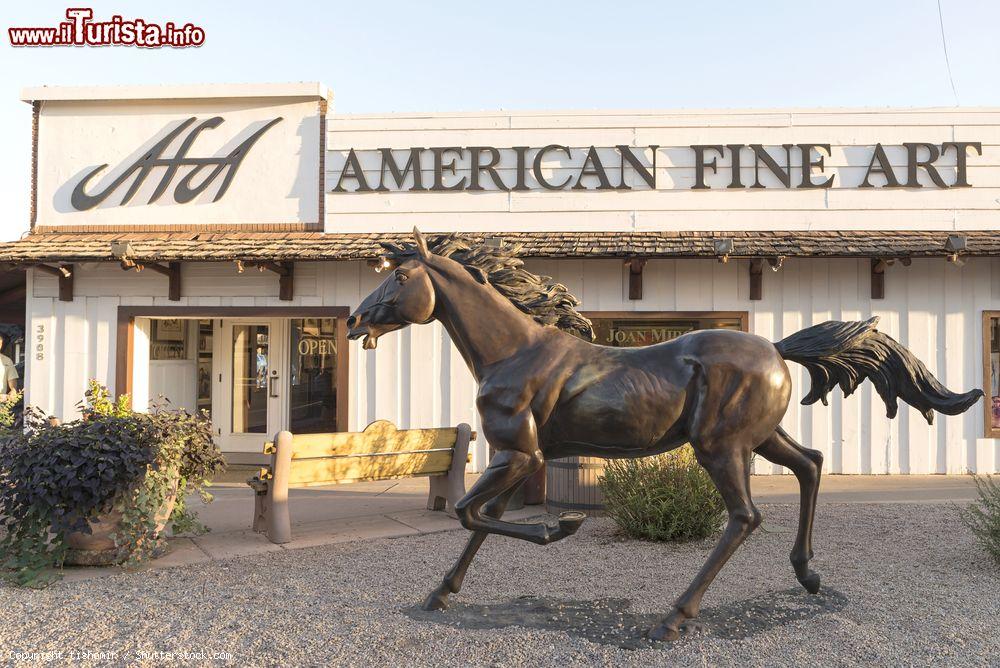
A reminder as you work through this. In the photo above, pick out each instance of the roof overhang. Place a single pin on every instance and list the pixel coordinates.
(315, 246)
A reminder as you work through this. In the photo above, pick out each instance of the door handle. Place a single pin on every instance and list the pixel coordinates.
(272, 390)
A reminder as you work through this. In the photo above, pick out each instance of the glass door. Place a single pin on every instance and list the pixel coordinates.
(247, 409)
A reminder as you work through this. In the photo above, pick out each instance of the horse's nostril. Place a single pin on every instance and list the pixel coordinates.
(352, 321)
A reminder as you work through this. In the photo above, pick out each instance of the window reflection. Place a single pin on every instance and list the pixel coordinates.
(313, 396)
(250, 364)
(634, 332)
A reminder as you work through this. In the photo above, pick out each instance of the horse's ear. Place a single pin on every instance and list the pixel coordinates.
(425, 254)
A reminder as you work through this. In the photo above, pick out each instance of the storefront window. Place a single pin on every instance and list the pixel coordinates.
(638, 330)
(168, 339)
(992, 369)
(204, 370)
(313, 397)
(250, 378)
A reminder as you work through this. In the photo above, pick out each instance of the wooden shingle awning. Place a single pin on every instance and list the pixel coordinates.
(305, 246)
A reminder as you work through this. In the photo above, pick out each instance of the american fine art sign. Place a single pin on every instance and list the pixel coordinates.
(476, 168)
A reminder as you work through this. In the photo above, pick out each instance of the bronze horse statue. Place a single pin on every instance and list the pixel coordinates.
(545, 393)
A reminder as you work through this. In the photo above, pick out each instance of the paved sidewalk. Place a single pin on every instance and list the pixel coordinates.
(389, 509)
(869, 489)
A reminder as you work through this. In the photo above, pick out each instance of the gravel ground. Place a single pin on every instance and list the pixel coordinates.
(904, 585)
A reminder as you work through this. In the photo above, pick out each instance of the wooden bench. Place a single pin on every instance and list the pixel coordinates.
(380, 452)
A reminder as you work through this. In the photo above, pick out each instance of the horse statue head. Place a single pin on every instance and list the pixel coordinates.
(458, 266)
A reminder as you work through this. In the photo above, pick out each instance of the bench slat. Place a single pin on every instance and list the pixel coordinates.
(374, 467)
(379, 437)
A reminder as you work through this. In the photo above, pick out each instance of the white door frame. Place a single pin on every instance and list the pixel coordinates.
(132, 354)
(276, 388)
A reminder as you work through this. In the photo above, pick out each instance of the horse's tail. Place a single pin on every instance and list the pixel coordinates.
(845, 353)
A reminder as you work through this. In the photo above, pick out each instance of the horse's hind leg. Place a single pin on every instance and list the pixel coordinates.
(452, 583)
(807, 466)
(730, 471)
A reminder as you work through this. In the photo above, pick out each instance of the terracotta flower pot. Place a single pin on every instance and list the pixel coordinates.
(98, 547)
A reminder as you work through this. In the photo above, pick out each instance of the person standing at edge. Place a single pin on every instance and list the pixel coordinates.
(8, 382)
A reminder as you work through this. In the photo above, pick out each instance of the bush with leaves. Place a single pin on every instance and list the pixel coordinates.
(55, 480)
(983, 517)
(667, 497)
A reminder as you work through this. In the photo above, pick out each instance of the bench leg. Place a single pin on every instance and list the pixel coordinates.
(260, 512)
(452, 484)
(279, 526)
(438, 495)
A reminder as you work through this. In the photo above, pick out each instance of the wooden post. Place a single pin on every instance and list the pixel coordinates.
(285, 282)
(878, 278)
(635, 267)
(756, 279)
(174, 282)
(66, 282)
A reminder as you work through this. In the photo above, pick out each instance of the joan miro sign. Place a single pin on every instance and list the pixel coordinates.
(557, 167)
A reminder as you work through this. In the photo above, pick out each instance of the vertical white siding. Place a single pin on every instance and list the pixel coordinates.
(417, 378)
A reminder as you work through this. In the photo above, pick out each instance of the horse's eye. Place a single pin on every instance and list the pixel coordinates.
(401, 277)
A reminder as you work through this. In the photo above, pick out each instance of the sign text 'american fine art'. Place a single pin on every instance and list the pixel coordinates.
(800, 166)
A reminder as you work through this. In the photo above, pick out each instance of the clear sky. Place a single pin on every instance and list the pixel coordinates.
(388, 55)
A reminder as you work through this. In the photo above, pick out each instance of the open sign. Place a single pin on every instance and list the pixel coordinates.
(317, 347)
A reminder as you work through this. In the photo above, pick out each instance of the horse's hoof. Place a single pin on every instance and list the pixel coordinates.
(810, 581)
(570, 521)
(663, 633)
(436, 600)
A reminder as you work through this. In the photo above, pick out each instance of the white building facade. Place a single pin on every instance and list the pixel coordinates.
(215, 256)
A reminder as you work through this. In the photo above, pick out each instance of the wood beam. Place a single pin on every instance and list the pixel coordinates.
(66, 283)
(635, 266)
(64, 273)
(756, 279)
(286, 277)
(878, 277)
(172, 270)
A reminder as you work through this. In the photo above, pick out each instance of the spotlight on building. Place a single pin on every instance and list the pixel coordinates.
(723, 248)
(121, 250)
(380, 264)
(776, 262)
(955, 245)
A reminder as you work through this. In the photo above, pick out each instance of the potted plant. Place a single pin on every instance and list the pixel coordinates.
(101, 489)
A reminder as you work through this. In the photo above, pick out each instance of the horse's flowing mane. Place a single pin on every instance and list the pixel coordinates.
(547, 302)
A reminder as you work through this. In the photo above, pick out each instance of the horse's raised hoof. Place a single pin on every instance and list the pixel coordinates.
(570, 521)
(436, 600)
(810, 581)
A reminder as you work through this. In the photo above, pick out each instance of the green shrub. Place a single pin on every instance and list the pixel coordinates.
(668, 497)
(983, 518)
(55, 479)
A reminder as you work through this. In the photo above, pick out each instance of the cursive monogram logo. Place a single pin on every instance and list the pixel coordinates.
(186, 190)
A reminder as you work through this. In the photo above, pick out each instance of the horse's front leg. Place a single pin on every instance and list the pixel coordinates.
(515, 439)
(452, 582)
(508, 469)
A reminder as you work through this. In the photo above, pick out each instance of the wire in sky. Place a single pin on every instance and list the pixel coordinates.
(944, 45)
